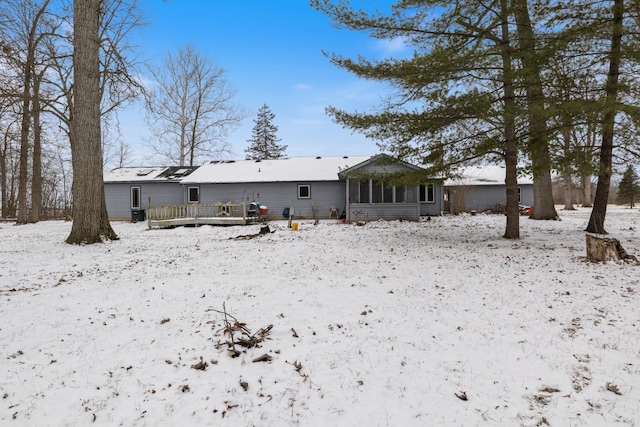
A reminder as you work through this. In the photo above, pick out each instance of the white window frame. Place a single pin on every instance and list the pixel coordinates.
(189, 200)
(136, 189)
(426, 193)
(308, 187)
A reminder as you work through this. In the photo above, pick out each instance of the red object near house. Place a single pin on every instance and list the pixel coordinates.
(526, 210)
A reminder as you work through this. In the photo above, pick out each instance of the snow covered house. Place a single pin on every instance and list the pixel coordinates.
(129, 191)
(482, 188)
(312, 187)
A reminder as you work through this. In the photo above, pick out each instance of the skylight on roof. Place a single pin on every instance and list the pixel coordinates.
(144, 172)
(180, 172)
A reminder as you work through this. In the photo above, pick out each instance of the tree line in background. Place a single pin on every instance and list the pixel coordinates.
(47, 158)
(37, 103)
(549, 85)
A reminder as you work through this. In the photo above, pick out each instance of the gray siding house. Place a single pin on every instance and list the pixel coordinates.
(129, 191)
(483, 188)
(310, 187)
(368, 199)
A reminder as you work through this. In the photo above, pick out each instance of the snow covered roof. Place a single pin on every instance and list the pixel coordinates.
(281, 170)
(141, 174)
(485, 175)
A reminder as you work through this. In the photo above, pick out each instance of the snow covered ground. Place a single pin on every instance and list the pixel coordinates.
(390, 323)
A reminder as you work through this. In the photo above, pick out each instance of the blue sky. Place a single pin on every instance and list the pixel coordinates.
(272, 53)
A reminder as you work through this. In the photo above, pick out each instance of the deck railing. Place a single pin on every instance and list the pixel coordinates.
(199, 210)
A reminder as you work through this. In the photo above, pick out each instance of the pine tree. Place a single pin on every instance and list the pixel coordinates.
(629, 188)
(456, 97)
(264, 143)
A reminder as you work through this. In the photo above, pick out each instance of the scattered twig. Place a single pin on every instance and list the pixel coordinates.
(613, 389)
(462, 395)
(200, 366)
(264, 358)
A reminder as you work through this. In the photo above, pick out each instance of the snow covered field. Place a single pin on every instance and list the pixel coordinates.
(390, 323)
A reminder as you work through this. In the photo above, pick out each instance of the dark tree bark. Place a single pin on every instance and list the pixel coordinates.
(599, 211)
(566, 169)
(512, 230)
(36, 167)
(4, 193)
(23, 175)
(538, 138)
(90, 219)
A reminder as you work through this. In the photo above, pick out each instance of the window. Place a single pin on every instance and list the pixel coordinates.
(427, 193)
(405, 194)
(376, 192)
(364, 192)
(410, 193)
(135, 197)
(304, 191)
(387, 193)
(519, 194)
(400, 196)
(354, 187)
(379, 192)
(194, 195)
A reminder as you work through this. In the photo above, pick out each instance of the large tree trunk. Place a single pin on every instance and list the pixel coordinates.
(90, 219)
(4, 194)
(538, 140)
(568, 192)
(23, 175)
(585, 184)
(512, 230)
(566, 168)
(36, 177)
(599, 211)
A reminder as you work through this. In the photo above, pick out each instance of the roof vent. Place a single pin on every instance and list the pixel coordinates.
(318, 157)
(345, 157)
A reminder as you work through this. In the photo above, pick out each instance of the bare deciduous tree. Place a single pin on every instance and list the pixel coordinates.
(9, 121)
(118, 84)
(90, 219)
(23, 32)
(190, 109)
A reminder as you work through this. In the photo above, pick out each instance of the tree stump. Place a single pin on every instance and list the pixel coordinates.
(601, 249)
(264, 230)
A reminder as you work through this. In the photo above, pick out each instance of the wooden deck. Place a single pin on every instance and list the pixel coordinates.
(201, 214)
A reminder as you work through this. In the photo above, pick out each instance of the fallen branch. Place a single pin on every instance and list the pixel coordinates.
(239, 334)
(263, 230)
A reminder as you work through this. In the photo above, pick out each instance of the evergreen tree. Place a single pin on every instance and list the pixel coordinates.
(456, 98)
(264, 143)
(629, 188)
